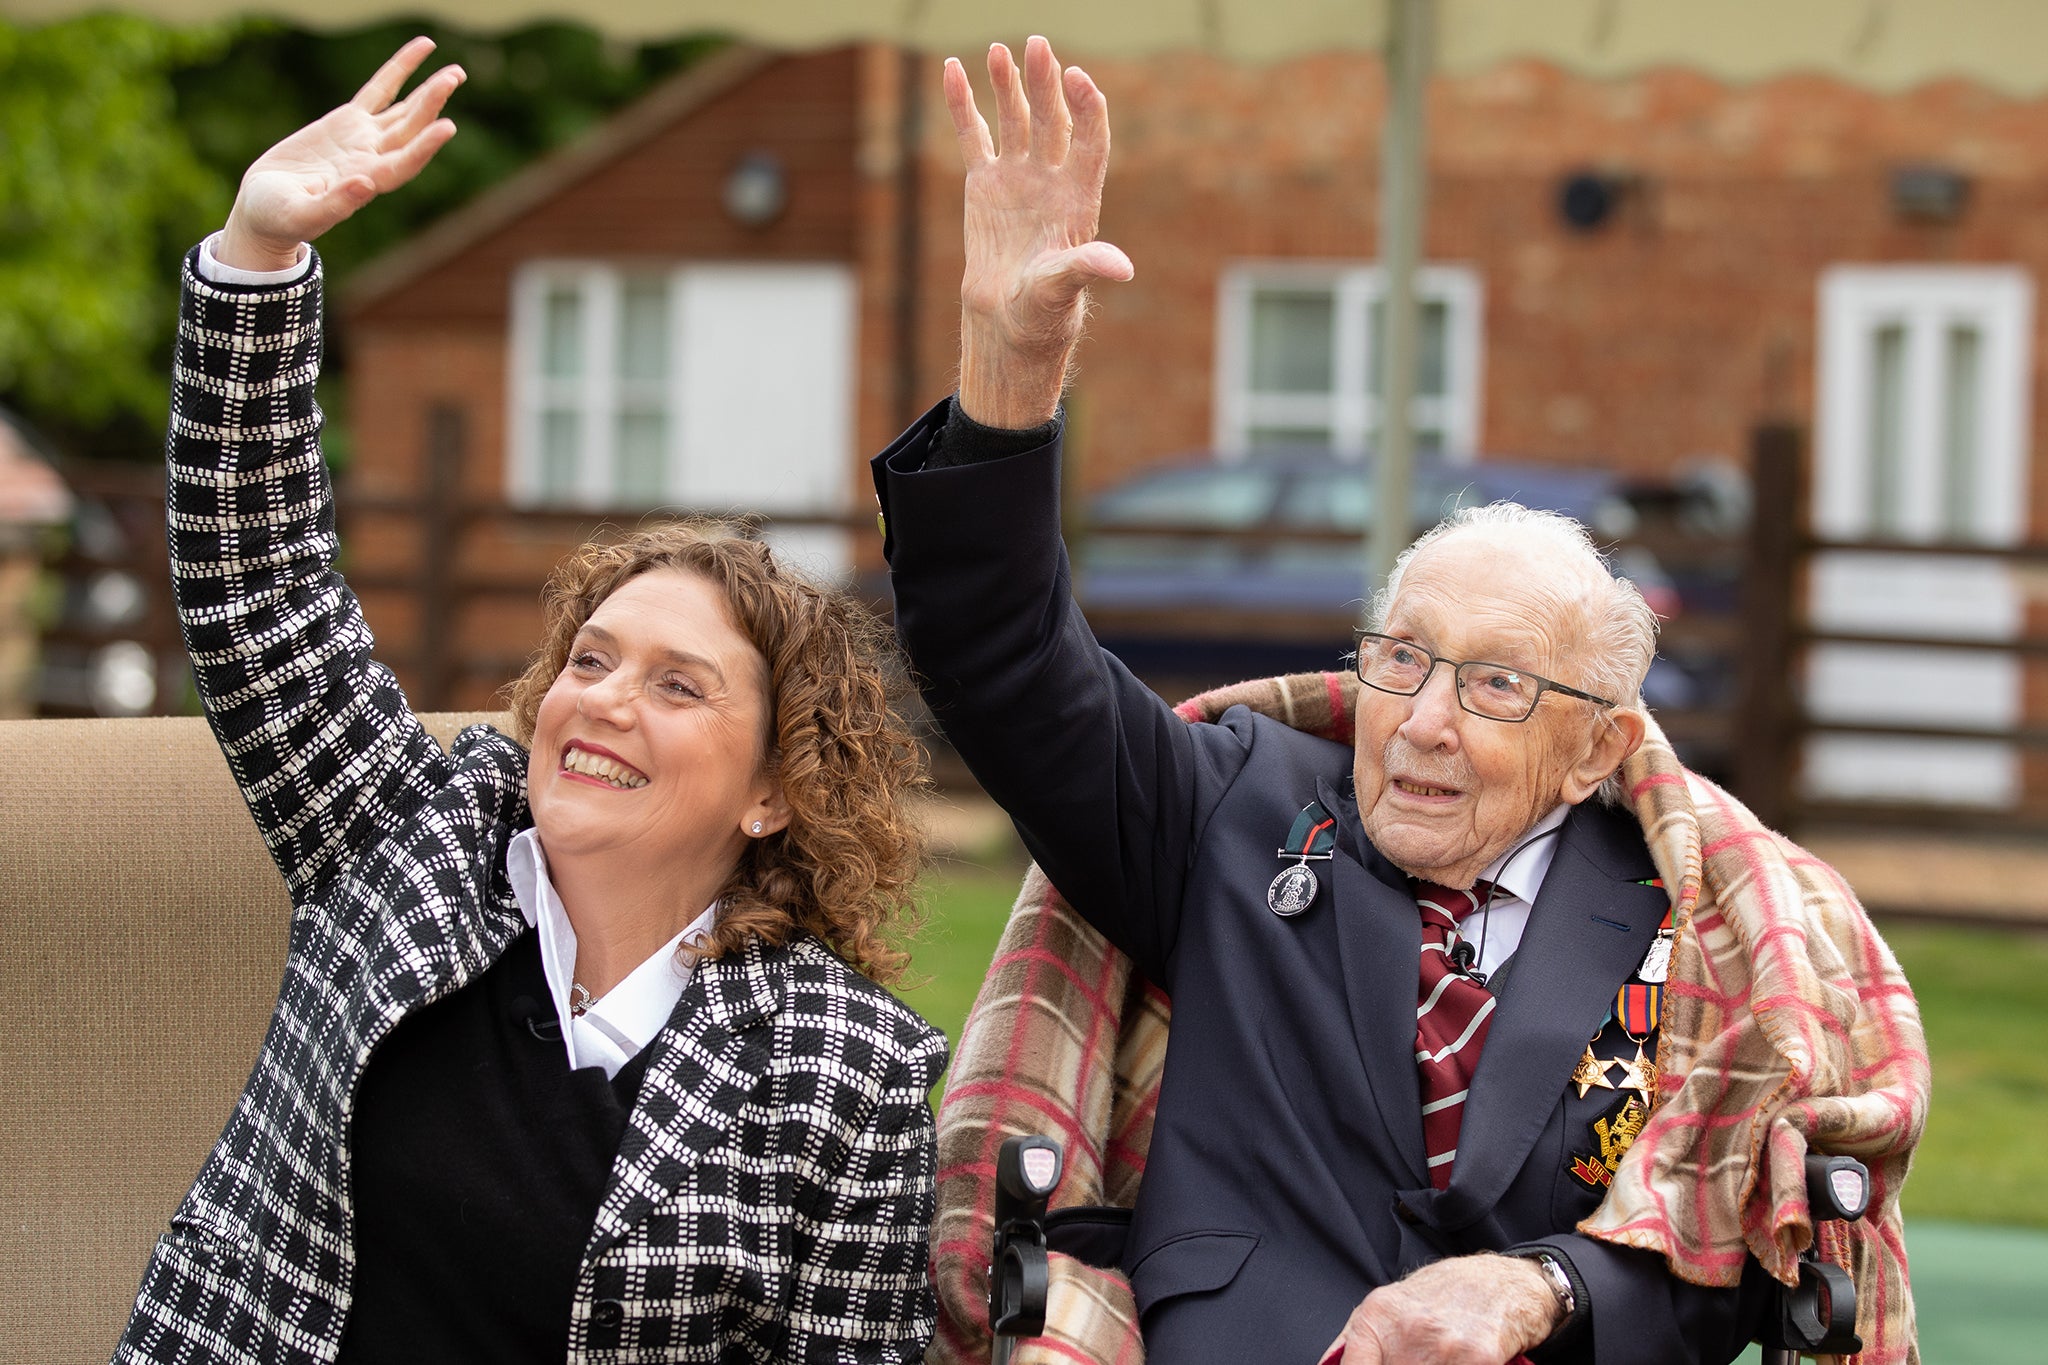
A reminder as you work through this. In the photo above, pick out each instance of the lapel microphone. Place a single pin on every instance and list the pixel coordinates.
(1463, 953)
(540, 1021)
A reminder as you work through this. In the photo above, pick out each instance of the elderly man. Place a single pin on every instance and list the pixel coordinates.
(1366, 1129)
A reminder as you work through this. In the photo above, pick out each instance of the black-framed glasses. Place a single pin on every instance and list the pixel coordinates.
(1494, 691)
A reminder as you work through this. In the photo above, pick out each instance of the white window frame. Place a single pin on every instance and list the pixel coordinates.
(595, 394)
(1350, 410)
(1857, 300)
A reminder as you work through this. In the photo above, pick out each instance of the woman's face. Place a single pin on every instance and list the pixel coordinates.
(649, 746)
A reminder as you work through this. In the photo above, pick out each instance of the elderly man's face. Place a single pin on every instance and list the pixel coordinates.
(1443, 792)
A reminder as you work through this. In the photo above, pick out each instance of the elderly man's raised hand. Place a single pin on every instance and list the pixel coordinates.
(1032, 211)
(330, 168)
(1466, 1310)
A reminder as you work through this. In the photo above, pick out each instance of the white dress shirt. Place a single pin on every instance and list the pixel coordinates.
(211, 267)
(1517, 876)
(614, 1027)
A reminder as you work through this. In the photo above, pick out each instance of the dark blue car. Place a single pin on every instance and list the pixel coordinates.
(1210, 570)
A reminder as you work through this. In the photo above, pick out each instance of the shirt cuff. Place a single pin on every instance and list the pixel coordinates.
(214, 272)
(964, 441)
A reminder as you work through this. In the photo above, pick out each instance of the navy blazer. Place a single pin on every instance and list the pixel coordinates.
(1286, 1176)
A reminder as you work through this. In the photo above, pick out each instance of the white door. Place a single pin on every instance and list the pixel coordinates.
(766, 385)
(1923, 436)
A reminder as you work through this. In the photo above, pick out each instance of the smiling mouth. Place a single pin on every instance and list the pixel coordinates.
(613, 774)
(1423, 789)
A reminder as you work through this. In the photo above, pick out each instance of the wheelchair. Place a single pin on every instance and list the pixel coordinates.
(1816, 1316)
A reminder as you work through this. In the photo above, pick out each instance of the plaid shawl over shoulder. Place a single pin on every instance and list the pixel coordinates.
(1787, 1023)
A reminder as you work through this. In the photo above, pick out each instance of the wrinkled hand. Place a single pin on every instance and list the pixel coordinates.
(1032, 214)
(1468, 1310)
(330, 168)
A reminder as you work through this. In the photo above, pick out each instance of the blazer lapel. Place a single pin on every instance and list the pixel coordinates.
(1590, 926)
(705, 1064)
(1379, 941)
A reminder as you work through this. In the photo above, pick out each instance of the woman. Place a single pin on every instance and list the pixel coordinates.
(562, 1064)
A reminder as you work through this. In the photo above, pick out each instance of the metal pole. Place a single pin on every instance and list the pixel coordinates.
(1402, 191)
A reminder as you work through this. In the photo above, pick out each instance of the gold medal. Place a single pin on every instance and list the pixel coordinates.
(1638, 1073)
(1591, 1071)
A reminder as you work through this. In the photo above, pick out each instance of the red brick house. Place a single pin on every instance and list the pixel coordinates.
(741, 287)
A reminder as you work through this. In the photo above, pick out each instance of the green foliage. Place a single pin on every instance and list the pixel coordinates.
(122, 141)
(95, 179)
(527, 93)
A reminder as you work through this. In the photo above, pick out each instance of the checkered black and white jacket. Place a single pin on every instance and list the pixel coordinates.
(771, 1197)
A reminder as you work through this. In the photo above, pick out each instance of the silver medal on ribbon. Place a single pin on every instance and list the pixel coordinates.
(1293, 891)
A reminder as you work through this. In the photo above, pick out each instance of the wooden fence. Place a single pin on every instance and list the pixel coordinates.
(1777, 633)
(1751, 736)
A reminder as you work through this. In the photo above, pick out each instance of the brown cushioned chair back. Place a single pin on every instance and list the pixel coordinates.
(142, 940)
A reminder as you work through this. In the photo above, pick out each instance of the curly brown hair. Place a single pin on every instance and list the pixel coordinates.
(846, 867)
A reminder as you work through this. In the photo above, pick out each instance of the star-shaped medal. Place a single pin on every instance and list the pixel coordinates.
(1638, 1073)
(1591, 1071)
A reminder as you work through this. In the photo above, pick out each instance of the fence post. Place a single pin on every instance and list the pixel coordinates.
(440, 527)
(1769, 729)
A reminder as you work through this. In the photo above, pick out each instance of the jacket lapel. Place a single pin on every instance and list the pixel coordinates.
(1379, 940)
(705, 1064)
(1590, 926)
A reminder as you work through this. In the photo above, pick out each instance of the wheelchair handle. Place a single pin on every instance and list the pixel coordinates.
(1818, 1315)
(1027, 1172)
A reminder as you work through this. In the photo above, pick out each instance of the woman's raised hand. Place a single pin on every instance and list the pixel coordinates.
(1032, 214)
(330, 168)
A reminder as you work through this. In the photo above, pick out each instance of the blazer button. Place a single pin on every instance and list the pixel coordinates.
(607, 1312)
(1406, 1214)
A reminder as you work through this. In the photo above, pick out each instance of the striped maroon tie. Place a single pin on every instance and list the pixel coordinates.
(1452, 1013)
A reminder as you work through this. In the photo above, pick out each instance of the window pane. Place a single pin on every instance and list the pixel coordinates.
(560, 441)
(1223, 496)
(561, 347)
(1887, 426)
(1962, 401)
(1332, 499)
(642, 457)
(1288, 438)
(1432, 347)
(1293, 341)
(643, 328)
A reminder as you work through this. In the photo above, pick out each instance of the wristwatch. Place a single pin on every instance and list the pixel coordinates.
(1554, 1272)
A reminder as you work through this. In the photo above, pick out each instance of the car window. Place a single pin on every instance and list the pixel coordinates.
(1225, 496)
(1327, 499)
(1341, 499)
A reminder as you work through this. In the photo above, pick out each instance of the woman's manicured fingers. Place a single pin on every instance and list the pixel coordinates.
(421, 107)
(410, 160)
(391, 77)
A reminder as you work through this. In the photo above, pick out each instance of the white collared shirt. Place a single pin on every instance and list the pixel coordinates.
(212, 268)
(613, 1029)
(1518, 878)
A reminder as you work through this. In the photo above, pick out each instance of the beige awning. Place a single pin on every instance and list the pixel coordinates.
(1883, 44)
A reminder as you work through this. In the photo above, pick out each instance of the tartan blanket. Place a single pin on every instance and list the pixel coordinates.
(1787, 1022)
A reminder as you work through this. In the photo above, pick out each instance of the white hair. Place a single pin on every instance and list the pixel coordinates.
(1609, 631)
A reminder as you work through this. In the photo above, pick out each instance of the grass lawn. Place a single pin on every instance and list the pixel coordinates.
(1981, 991)
(1983, 994)
(966, 906)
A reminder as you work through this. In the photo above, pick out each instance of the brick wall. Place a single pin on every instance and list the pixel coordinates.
(1665, 335)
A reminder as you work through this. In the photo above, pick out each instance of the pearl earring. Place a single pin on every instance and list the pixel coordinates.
(757, 827)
